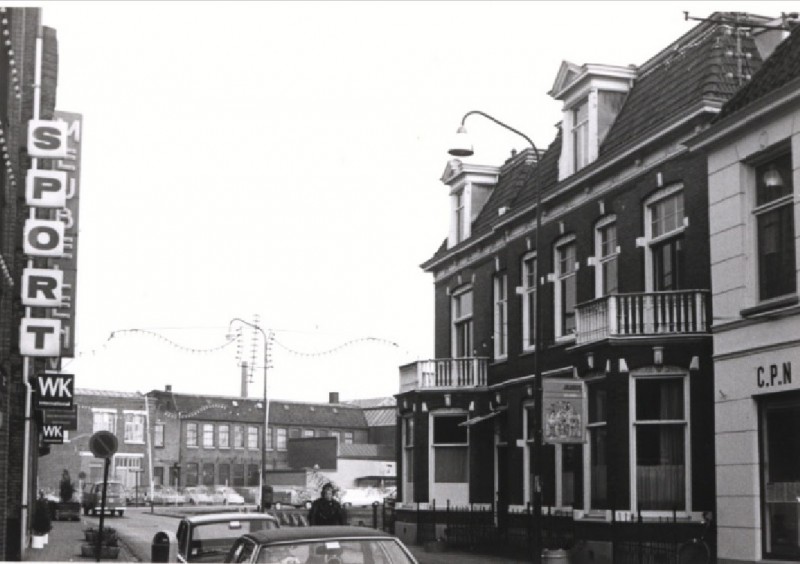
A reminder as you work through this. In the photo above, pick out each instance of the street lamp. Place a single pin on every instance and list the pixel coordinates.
(268, 337)
(463, 148)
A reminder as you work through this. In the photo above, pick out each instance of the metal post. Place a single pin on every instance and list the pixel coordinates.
(102, 510)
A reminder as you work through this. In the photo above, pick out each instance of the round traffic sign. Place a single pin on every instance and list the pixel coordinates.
(103, 444)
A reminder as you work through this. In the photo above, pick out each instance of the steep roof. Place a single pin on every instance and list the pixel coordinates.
(780, 68)
(699, 69)
(107, 393)
(381, 417)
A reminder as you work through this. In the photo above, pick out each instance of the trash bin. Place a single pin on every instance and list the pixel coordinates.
(159, 550)
(267, 495)
(555, 556)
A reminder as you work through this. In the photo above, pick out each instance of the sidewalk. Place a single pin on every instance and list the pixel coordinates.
(64, 545)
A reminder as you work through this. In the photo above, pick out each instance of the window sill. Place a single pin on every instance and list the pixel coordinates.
(770, 305)
(133, 442)
(501, 360)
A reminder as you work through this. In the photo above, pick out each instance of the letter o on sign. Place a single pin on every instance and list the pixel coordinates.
(103, 444)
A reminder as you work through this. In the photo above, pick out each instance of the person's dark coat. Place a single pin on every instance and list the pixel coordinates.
(326, 512)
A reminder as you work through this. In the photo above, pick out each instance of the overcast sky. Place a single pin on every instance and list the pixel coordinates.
(283, 159)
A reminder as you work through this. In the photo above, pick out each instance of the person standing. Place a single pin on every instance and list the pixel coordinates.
(325, 510)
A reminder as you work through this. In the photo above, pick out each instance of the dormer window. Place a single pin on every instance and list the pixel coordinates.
(470, 186)
(593, 96)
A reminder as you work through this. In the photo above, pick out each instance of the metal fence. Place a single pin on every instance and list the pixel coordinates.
(633, 538)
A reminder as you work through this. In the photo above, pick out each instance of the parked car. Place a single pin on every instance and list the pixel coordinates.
(360, 496)
(165, 495)
(209, 537)
(320, 544)
(197, 496)
(229, 495)
(92, 498)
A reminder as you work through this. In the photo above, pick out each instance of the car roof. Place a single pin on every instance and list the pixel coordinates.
(316, 533)
(229, 516)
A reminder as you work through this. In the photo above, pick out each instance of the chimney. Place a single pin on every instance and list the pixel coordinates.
(168, 388)
(244, 379)
(333, 397)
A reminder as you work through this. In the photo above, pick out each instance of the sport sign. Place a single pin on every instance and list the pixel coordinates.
(103, 444)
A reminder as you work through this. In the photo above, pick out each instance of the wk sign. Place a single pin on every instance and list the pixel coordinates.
(54, 391)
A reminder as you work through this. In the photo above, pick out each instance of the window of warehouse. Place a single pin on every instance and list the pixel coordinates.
(450, 442)
(134, 427)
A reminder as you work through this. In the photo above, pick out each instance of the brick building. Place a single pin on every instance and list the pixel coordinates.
(19, 437)
(620, 267)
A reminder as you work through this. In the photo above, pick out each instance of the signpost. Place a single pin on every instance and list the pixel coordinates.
(103, 444)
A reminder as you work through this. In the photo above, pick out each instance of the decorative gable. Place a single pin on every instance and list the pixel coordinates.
(470, 186)
(593, 96)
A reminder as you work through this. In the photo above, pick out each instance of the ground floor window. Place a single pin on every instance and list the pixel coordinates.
(192, 472)
(450, 448)
(238, 474)
(158, 475)
(561, 475)
(252, 475)
(780, 475)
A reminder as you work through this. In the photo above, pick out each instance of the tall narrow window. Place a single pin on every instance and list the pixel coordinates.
(774, 211)
(105, 420)
(191, 434)
(566, 288)
(500, 315)
(666, 226)
(134, 428)
(280, 438)
(598, 438)
(580, 135)
(223, 436)
(462, 324)
(661, 429)
(606, 253)
(208, 435)
(158, 435)
(408, 456)
(460, 218)
(252, 437)
(529, 301)
(238, 437)
(191, 473)
(225, 474)
(208, 474)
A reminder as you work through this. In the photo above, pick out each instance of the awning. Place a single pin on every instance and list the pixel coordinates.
(484, 417)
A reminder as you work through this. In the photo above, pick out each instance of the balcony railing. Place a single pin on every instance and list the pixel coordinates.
(641, 315)
(443, 373)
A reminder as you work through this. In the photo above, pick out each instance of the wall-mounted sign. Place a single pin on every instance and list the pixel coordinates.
(46, 188)
(67, 418)
(39, 337)
(52, 434)
(43, 238)
(103, 444)
(42, 287)
(54, 391)
(47, 139)
(562, 411)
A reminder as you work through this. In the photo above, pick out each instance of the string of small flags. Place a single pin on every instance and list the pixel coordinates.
(170, 341)
(338, 347)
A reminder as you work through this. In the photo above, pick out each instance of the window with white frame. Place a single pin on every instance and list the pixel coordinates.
(208, 435)
(450, 448)
(775, 231)
(665, 226)
(660, 442)
(408, 456)
(224, 436)
(566, 286)
(104, 420)
(606, 253)
(238, 436)
(134, 427)
(191, 434)
(529, 301)
(597, 428)
(308, 433)
(252, 437)
(348, 438)
(580, 135)
(270, 431)
(500, 315)
(280, 438)
(462, 323)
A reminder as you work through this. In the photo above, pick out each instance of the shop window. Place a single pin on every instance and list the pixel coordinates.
(780, 477)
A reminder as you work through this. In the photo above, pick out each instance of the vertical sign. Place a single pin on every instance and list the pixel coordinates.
(562, 411)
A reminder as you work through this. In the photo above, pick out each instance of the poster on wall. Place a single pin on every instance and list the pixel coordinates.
(562, 411)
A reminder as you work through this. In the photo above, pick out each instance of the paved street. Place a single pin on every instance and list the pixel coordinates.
(136, 532)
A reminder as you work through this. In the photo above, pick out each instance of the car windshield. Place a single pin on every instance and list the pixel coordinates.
(379, 551)
(115, 488)
(210, 541)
